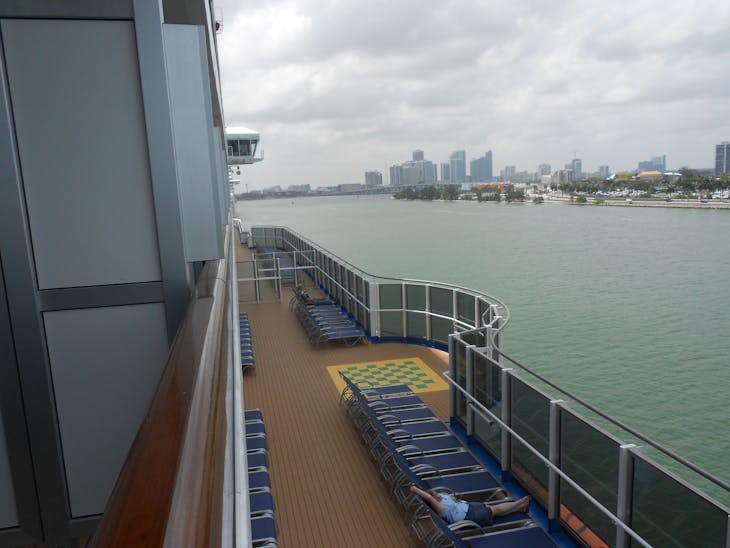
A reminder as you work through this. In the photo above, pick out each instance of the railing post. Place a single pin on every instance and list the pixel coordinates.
(470, 388)
(624, 493)
(554, 456)
(374, 310)
(256, 280)
(506, 438)
(495, 339)
(452, 373)
(403, 310)
(277, 275)
(428, 314)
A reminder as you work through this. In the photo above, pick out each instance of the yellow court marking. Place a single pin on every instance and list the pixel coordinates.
(411, 371)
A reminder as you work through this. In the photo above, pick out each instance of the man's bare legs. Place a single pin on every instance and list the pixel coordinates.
(510, 507)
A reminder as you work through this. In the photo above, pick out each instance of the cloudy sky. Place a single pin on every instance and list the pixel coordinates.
(340, 87)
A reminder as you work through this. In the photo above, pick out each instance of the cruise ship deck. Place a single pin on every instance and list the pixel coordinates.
(327, 490)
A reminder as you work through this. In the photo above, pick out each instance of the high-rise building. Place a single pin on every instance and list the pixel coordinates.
(508, 172)
(657, 163)
(544, 169)
(417, 155)
(577, 166)
(445, 173)
(396, 175)
(480, 169)
(604, 172)
(722, 158)
(373, 178)
(457, 162)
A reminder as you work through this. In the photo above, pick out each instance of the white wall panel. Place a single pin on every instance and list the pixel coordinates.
(8, 510)
(81, 136)
(192, 121)
(106, 364)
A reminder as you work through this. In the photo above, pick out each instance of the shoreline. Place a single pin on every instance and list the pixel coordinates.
(646, 203)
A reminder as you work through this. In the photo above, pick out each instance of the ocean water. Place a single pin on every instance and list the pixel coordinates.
(629, 308)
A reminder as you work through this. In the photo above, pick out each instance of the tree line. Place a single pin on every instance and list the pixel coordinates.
(453, 192)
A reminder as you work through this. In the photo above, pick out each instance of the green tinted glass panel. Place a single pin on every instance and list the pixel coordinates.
(391, 324)
(477, 339)
(531, 420)
(487, 389)
(590, 458)
(442, 301)
(460, 352)
(391, 296)
(667, 513)
(416, 325)
(465, 308)
(416, 297)
(440, 329)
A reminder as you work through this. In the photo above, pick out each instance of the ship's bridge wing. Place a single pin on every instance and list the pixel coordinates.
(241, 143)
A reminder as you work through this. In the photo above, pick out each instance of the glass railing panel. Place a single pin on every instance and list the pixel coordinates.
(442, 301)
(440, 329)
(590, 457)
(391, 296)
(531, 420)
(668, 512)
(465, 308)
(391, 324)
(416, 325)
(476, 339)
(416, 297)
(487, 389)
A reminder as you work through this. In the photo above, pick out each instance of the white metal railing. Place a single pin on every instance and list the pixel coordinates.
(294, 243)
(487, 414)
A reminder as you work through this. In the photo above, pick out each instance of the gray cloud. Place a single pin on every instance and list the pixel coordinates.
(340, 87)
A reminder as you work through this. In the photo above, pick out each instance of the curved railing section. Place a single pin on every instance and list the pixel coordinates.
(418, 311)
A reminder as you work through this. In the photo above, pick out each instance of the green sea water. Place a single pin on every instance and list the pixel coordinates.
(629, 308)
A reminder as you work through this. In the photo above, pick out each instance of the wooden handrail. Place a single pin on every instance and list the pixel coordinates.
(170, 489)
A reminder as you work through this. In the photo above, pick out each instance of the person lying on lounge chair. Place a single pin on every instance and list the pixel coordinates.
(452, 509)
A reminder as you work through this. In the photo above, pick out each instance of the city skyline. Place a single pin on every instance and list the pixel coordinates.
(342, 89)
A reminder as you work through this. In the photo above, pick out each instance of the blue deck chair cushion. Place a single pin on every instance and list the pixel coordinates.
(534, 537)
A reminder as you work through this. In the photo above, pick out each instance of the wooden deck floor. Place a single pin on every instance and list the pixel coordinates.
(326, 489)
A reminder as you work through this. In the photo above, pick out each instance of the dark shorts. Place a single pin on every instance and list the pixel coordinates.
(479, 513)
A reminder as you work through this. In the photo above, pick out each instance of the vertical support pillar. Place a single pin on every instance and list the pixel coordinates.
(148, 21)
(256, 280)
(624, 493)
(470, 388)
(452, 374)
(506, 441)
(374, 310)
(428, 316)
(554, 455)
(277, 275)
(404, 305)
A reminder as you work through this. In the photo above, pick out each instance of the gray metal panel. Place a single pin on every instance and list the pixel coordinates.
(8, 510)
(100, 295)
(40, 482)
(192, 129)
(106, 364)
(78, 9)
(90, 225)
